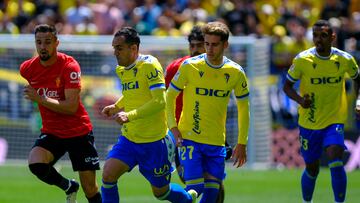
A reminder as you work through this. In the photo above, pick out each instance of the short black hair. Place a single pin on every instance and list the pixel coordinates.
(46, 28)
(324, 23)
(196, 34)
(130, 34)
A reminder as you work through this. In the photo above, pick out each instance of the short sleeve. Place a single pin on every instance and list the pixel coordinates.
(353, 68)
(180, 78)
(72, 75)
(154, 75)
(241, 89)
(294, 72)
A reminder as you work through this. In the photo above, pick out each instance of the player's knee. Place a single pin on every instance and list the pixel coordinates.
(108, 176)
(313, 171)
(334, 152)
(41, 170)
(199, 188)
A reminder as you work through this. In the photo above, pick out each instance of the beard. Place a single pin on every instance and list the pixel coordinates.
(44, 57)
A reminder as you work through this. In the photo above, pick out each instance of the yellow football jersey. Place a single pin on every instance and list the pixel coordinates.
(138, 80)
(207, 90)
(323, 79)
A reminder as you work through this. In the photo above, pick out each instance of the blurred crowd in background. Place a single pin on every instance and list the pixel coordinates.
(288, 22)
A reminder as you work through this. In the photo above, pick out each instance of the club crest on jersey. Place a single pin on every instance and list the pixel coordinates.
(135, 70)
(57, 81)
(227, 77)
(153, 75)
(201, 73)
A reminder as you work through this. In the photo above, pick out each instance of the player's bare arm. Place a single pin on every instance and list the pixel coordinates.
(177, 134)
(304, 101)
(357, 89)
(67, 106)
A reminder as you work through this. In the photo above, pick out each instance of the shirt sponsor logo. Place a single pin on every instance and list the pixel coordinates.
(162, 170)
(325, 80)
(196, 117)
(75, 77)
(312, 109)
(212, 92)
(130, 85)
(45, 92)
(153, 75)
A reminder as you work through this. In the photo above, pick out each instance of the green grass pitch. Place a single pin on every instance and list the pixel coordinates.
(18, 185)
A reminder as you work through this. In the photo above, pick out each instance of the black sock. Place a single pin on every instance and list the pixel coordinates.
(49, 175)
(95, 199)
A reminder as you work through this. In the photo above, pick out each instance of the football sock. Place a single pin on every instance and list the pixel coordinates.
(49, 175)
(338, 180)
(196, 184)
(176, 194)
(110, 192)
(95, 199)
(307, 185)
(211, 191)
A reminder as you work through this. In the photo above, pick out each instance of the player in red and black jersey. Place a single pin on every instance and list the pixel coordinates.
(54, 83)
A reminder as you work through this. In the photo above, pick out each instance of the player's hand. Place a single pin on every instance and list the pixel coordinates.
(31, 94)
(306, 101)
(177, 135)
(239, 155)
(357, 109)
(110, 110)
(121, 117)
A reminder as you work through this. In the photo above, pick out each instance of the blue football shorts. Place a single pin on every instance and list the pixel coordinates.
(313, 142)
(197, 158)
(154, 158)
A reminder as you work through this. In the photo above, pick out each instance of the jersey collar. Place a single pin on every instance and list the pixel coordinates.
(214, 66)
(324, 57)
(133, 64)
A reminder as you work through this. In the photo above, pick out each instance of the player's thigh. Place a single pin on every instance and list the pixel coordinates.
(214, 162)
(192, 161)
(121, 158)
(82, 153)
(113, 169)
(155, 161)
(47, 149)
(311, 144)
(334, 141)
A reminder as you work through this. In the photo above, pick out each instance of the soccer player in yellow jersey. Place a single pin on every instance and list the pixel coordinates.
(141, 112)
(323, 108)
(207, 81)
